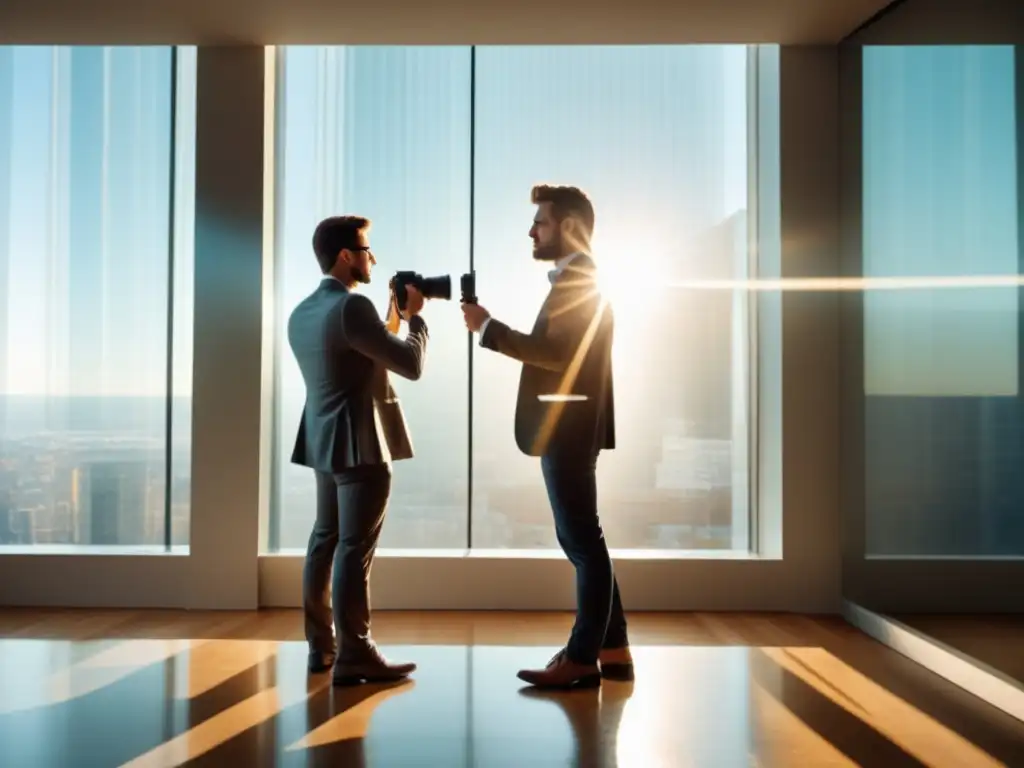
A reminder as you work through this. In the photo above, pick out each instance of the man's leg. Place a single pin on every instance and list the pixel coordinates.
(362, 500)
(617, 635)
(572, 489)
(362, 497)
(316, 574)
(616, 659)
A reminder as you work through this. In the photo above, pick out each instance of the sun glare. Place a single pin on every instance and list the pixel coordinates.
(626, 274)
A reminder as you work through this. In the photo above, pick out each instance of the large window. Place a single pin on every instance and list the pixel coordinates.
(382, 132)
(943, 413)
(93, 449)
(658, 137)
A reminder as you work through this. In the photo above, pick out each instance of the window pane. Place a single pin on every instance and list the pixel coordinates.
(85, 153)
(657, 137)
(381, 132)
(943, 415)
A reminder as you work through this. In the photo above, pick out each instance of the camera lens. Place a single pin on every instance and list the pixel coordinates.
(437, 287)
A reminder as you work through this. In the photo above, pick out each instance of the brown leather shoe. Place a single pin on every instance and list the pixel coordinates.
(372, 667)
(616, 664)
(562, 672)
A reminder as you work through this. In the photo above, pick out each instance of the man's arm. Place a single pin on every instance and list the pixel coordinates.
(555, 344)
(368, 335)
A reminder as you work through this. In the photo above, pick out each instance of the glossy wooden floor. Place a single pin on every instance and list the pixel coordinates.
(997, 641)
(107, 688)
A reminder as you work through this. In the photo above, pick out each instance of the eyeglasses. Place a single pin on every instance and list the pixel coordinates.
(365, 249)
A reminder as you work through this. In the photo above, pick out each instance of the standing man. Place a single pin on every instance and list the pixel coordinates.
(565, 414)
(350, 431)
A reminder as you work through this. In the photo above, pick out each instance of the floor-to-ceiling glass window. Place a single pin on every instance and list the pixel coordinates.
(96, 169)
(439, 147)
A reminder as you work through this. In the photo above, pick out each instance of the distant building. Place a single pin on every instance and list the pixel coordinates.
(109, 499)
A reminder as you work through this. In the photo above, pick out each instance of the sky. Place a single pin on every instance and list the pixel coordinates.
(87, 138)
(86, 135)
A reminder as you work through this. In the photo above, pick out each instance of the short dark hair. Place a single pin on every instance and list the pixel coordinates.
(566, 201)
(334, 233)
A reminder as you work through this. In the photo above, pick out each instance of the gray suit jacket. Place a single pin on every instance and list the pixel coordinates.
(566, 402)
(351, 416)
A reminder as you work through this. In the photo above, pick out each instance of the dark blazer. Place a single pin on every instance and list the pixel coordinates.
(351, 416)
(566, 403)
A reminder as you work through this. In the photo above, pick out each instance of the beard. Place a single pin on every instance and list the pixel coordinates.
(359, 274)
(548, 251)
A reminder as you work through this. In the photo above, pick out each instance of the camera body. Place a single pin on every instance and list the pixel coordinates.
(439, 287)
(468, 285)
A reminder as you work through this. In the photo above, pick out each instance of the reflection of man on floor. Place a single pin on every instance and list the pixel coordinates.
(350, 431)
(565, 414)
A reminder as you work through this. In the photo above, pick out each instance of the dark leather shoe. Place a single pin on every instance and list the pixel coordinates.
(370, 667)
(616, 664)
(320, 661)
(561, 672)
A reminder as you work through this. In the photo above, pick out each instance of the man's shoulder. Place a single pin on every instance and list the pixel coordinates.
(317, 307)
(356, 308)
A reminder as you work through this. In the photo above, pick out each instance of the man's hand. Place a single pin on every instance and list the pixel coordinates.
(413, 302)
(475, 316)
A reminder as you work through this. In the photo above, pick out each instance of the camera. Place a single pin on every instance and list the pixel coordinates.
(439, 287)
(468, 285)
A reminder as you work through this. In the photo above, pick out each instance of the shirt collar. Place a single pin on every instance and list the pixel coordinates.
(561, 264)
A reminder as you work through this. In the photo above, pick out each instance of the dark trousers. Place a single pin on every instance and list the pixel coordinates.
(600, 622)
(349, 515)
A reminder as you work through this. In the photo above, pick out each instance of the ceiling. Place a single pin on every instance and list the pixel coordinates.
(457, 22)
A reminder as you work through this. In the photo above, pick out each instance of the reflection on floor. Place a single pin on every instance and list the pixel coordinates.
(997, 641)
(158, 688)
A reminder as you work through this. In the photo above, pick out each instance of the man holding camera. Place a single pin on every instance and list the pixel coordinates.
(350, 431)
(565, 415)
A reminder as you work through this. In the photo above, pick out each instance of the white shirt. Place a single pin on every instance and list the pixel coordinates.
(560, 266)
